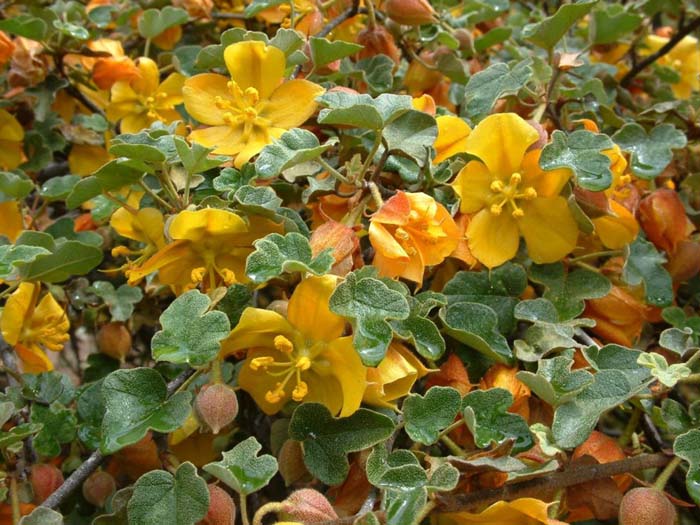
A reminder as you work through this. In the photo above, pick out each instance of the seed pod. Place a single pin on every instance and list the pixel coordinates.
(114, 340)
(646, 506)
(222, 509)
(99, 487)
(378, 40)
(409, 12)
(46, 478)
(308, 506)
(291, 462)
(217, 406)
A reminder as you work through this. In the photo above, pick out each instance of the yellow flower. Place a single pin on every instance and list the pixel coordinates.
(145, 225)
(303, 357)
(11, 137)
(409, 232)
(144, 100)
(523, 511)
(247, 112)
(511, 196)
(29, 326)
(394, 378)
(451, 138)
(11, 220)
(209, 247)
(683, 58)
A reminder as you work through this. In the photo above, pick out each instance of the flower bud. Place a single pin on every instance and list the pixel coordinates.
(377, 40)
(291, 462)
(98, 488)
(46, 478)
(663, 218)
(684, 263)
(646, 506)
(308, 506)
(465, 39)
(222, 509)
(409, 12)
(217, 406)
(114, 340)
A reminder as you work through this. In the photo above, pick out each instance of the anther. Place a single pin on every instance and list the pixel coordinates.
(515, 179)
(261, 362)
(303, 363)
(197, 275)
(300, 391)
(283, 344)
(497, 186)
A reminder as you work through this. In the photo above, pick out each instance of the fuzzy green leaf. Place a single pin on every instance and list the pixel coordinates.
(242, 469)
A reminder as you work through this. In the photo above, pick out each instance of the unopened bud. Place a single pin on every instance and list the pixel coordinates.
(98, 488)
(217, 406)
(291, 462)
(114, 340)
(46, 479)
(222, 509)
(409, 12)
(308, 506)
(377, 40)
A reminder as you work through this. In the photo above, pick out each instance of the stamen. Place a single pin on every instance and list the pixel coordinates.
(283, 344)
(496, 209)
(402, 234)
(197, 275)
(261, 362)
(300, 391)
(497, 186)
(515, 179)
(303, 363)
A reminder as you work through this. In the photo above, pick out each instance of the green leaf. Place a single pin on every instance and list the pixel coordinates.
(487, 417)
(361, 111)
(238, 297)
(58, 188)
(136, 401)
(120, 301)
(368, 303)
(399, 470)
(58, 427)
(679, 340)
(403, 507)
(476, 325)
(323, 51)
(581, 152)
(25, 25)
(276, 254)
(649, 154)
(256, 6)
(569, 290)
(426, 416)
(153, 22)
(411, 135)
(72, 30)
(260, 200)
(17, 434)
(64, 229)
(190, 333)
(14, 186)
(443, 478)
(67, 259)
(493, 37)
(160, 497)
(668, 375)
(118, 505)
(610, 23)
(196, 158)
(48, 387)
(11, 257)
(327, 440)
(644, 264)
(42, 516)
(621, 359)
(487, 86)
(242, 469)
(549, 31)
(294, 147)
(555, 383)
(687, 447)
(419, 329)
(498, 289)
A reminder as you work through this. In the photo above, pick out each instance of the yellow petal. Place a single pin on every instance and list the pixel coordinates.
(50, 314)
(523, 511)
(225, 139)
(145, 226)
(257, 328)
(452, 137)
(11, 220)
(196, 225)
(349, 371)
(86, 159)
(500, 141)
(11, 154)
(549, 229)
(172, 88)
(147, 81)
(171, 254)
(254, 64)
(493, 239)
(34, 360)
(121, 92)
(258, 139)
(616, 231)
(18, 310)
(10, 129)
(546, 183)
(292, 103)
(472, 185)
(135, 122)
(199, 93)
(308, 309)
(383, 242)
(394, 377)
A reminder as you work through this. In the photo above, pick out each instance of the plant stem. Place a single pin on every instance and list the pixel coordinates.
(14, 500)
(630, 427)
(666, 473)
(244, 509)
(155, 196)
(594, 255)
(333, 172)
(453, 447)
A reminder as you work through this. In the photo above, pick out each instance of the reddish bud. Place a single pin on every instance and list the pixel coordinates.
(663, 218)
(308, 506)
(684, 263)
(646, 506)
(217, 406)
(378, 40)
(98, 488)
(409, 12)
(465, 39)
(291, 462)
(45, 479)
(114, 340)
(222, 509)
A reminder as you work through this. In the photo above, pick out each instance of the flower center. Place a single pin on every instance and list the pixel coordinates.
(510, 194)
(211, 274)
(243, 108)
(151, 105)
(291, 369)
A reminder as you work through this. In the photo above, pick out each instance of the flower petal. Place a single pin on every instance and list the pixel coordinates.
(258, 382)
(148, 78)
(226, 139)
(172, 88)
(451, 138)
(616, 231)
(257, 328)
(34, 360)
(473, 186)
(493, 239)
(308, 309)
(11, 220)
(10, 129)
(349, 371)
(292, 103)
(145, 226)
(546, 183)
(500, 141)
(254, 64)
(198, 224)
(18, 310)
(549, 229)
(199, 93)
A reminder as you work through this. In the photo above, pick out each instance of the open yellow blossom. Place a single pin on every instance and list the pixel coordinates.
(683, 58)
(251, 109)
(140, 102)
(11, 137)
(209, 248)
(29, 326)
(301, 358)
(394, 377)
(510, 195)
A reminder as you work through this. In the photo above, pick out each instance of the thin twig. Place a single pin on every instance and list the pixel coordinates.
(683, 31)
(95, 460)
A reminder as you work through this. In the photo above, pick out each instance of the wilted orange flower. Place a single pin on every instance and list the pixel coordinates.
(108, 70)
(452, 373)
(145, 100)
(502, 376)
(255, 106)
(394, 377)
(29, 64)
(29, 326)
(663, 218)
(344, 242)
(11, 137)
(409, 232)
(7, 47)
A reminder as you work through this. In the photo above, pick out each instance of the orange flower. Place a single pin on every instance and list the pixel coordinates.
(502, 376)
(7, 47)
(108, 70)
(523, 511)
(663, 219)
(452, 373)
(409, 232)
(344, 242)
